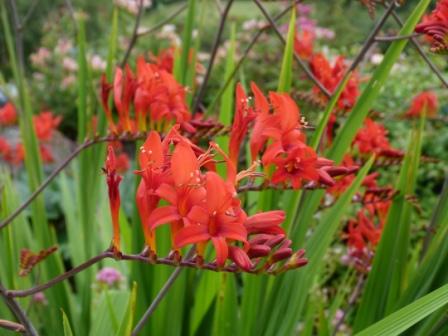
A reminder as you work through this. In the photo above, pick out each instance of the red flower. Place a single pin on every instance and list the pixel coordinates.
(372, 138)
(243, 116)
(165, 59)
(4, 147)
(184, 193)
(435, 27)
(158, 100)
(424, 102)
(44, 124)
(330, 77)
(151, 159)
(15, 155)
(304, 44)
(45, 154)
(216, 222)
(113, 180)
(8, 114)
(295, 165)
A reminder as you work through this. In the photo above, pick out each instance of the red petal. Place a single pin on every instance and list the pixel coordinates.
(218, 196)
(151, 153)
(222, 250)
(261, 103)
(190, 235)
(163, 215)
(184, 164)
(198, 215)
(167, 192)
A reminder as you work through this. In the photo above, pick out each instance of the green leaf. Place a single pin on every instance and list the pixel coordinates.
(204, 295)
(128, 318)
(66, 325)
(181, 76)
(285, 81)
(226, 316)
(385, 281)
(109, 306)
(406, 317)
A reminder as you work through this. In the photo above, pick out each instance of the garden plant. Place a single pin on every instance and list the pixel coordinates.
(223, 167)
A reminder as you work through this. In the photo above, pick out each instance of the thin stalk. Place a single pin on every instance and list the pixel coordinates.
(18, 312)
(134, 36)
(307, 71)
(246, 53)
(212, 57)
(56, 172)
(395, 38)
(156, 301)
(163, 22)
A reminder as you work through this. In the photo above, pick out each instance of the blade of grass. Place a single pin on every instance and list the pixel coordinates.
(285, 81)
(386, 278)
(406, 317)
(181, 76)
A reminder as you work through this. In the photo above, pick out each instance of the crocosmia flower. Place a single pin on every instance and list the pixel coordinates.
(150, 98)
(372, 138)
(304, 44)
(425, 102)
(8, 114)
(435, 27)
(113, 181)
(45, 123)
(330, 76)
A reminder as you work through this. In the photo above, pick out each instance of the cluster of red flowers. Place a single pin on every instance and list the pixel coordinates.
(330, 76)
(149, 99)
(426, 102)
(277, 129)
(435, 27)
(44, 125)
(372, 139)
(202, 206)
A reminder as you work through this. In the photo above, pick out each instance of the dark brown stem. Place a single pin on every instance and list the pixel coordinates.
(134, 36)
(164, 22)
(56, 172)
(395, 38)
(18, 312)
(422, 53)
(59, 278)
(261, 187)
(370, 39)
(212, 56)
(246, 53)
(307, 71)
(189, 262)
